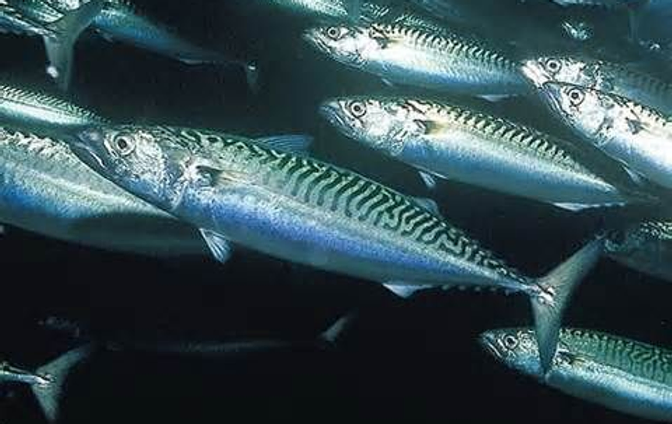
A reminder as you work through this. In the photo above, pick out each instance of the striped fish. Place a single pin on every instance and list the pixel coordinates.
(620, 374)
(47, 382)
(449, 141)
(636, 135)
(288, 205)
(414, 55)
(60, 30)
(31, 108)
(44, 188)
(601, 75)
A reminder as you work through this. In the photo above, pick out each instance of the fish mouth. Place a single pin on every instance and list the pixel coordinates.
(313, 38)
(331, 113)
(551, 96)
(489, 343)
(85, 145)
(534, 73)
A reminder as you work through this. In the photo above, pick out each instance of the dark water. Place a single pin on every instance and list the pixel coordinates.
(414, 361)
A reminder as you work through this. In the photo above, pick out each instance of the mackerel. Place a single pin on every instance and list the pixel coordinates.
(48, 381)
(31, 108)
(288, 205)
(44, 188)
(636, 135)
(615, 372)
(601, 75)
(414, 55)
(60, 30)
(449, 141)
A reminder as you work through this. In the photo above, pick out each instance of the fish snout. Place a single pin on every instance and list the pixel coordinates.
(488, 342)
(534, 73)
(330, 110)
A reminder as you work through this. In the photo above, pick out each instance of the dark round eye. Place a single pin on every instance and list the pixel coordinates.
(510, 342)
(124, 144)
(553, 65)
(575, 96)
(357, 109)
(333, 32)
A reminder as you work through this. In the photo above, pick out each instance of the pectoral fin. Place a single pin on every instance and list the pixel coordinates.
(405, 290)
(219, 246)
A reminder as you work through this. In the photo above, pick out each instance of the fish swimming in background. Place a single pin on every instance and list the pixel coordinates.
(646, 247)
(45, 189)
(603, 76)
(60, 30)
(457, 143)
(263, 196)
(634, 8)
(413, 55)
(620, 374)
(340, 10)
(636, 135)
(120, 20)
(47, 382)
(32, 109)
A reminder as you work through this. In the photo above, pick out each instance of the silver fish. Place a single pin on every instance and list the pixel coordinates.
(30, 108)
(646, 247)
(631, 133)
(302, 210)
(59, 30)
(465, 145)
(44, 188)
(620, 374)
(413, 55)
(47, 382)
(603, 76)
(120, 20)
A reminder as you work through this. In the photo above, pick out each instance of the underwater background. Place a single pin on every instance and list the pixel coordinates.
(411, 361)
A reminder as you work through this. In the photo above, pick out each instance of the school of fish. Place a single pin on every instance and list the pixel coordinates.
(160, 190)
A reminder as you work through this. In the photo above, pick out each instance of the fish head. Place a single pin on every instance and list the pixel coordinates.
(349, 44)
(142, 160)
(589, 112)
(545, 69)
(384, 124)
(514, 347)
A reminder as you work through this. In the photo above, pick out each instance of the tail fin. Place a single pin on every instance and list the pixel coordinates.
(60, 48)
(56, 372)
(558, 286)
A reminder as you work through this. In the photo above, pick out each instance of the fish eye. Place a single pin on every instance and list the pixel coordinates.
(553, 65)
(124, 145)
(576, 96)
(333, 33)
(357, 109)
(510, 342)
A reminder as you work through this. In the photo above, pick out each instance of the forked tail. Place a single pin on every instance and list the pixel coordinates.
(556, 289)
(56, 373)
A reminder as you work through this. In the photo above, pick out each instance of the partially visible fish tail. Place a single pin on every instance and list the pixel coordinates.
(60, 48)
(556, 289)
(56, 372)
